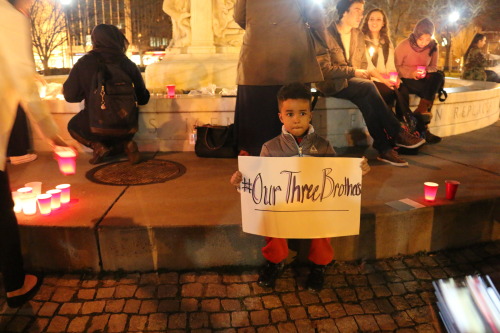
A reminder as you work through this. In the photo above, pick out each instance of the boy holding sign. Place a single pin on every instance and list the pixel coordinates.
(297, 139)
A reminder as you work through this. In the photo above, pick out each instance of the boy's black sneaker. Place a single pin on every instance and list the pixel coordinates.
(270, 273)
(316, 278)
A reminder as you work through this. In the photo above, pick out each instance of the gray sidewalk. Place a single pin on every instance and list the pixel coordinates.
(393, 295)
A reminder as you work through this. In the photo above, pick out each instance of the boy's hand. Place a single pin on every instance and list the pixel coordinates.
(236, 179)
(365, 168)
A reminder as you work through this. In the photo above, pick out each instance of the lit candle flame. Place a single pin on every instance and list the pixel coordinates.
(371, 51)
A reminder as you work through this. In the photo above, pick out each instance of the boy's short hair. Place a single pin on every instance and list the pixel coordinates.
(295, 90)
(344, 5)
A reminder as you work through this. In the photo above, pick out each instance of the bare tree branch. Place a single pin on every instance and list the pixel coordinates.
(48, 29)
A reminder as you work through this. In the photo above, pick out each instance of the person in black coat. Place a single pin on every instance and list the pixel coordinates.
(109, 44)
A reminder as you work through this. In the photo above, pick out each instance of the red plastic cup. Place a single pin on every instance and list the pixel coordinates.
(451, 188)
(171, 90)
(430, 191)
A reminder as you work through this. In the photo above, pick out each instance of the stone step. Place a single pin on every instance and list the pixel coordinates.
(193, 222)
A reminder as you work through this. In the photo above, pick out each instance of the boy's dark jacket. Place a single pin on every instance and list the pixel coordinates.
(285, 145)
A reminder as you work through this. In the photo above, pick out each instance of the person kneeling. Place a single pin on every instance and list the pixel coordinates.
(297, 139)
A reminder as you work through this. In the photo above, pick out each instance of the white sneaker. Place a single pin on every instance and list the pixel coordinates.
(15, 160)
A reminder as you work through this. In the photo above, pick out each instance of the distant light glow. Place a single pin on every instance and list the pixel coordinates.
(65, 2)
(453, 17)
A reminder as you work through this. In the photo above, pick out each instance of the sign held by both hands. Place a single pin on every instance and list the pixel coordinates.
(300, 197)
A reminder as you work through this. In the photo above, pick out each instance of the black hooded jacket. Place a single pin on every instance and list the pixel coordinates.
(110, 44)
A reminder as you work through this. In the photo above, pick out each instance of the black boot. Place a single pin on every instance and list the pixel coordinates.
(270, 273)
(316, 278)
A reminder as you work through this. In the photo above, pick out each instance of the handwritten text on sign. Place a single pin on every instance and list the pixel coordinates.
(300, 197)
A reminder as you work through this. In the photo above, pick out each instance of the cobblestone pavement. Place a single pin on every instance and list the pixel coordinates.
(394, 294)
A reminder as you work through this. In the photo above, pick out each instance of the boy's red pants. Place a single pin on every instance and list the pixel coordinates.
(320, 252)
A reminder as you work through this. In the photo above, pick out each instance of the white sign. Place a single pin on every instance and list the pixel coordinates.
(300, 197)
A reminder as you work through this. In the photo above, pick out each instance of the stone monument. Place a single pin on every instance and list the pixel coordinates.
(204, 48)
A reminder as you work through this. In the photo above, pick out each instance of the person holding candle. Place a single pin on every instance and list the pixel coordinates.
(380, 57)
(17, 86)
(416, 61)
(297, 138)
(110, 44)
(380, 53)
(344, 66)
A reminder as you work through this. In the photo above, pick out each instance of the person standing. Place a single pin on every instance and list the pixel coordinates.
(421, 50)
(343, 66)
(17, 86)
(277, 49)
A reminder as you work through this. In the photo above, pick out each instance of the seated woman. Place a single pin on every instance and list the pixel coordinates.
(475, 61)
(343, 65)
(420, 50)
(108, 44)
(380, 56)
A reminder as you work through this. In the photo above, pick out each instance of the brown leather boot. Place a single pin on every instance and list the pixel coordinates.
(100, 152)
(423, 110)
(132, 151)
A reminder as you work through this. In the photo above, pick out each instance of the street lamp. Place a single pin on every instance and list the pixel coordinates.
(453, 17)
(66, 4)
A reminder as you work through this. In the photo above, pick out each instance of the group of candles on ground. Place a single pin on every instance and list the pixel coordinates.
(26, 198)
(430, 190)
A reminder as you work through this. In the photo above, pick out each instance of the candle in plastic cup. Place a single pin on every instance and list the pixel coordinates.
(36, 186)
(29, 204)
(55, 203)
(451, 188)
(393, 77)
(422, 70)
(430, 191)
(18, 202)
(66, 158)
(171, 90)
(65, 192)
(44, 203)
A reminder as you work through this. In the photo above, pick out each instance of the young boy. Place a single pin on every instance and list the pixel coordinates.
(297, 139)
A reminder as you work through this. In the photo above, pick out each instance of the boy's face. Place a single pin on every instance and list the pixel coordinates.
(354, 15)
(295, 114)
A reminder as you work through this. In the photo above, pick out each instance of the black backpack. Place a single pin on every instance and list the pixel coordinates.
(112, 104)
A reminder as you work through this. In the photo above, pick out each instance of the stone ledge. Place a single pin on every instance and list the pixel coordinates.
(166, 124)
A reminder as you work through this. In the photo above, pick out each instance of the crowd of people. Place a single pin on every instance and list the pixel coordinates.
(287, 47)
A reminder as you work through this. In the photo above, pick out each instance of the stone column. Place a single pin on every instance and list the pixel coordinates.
(202, 35)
